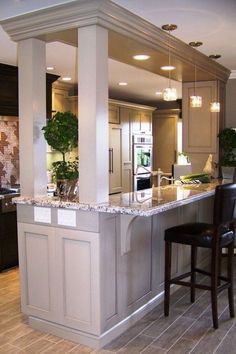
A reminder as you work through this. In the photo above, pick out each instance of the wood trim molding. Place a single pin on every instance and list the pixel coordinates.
(167, 112)
(69, 16)
(131, 105)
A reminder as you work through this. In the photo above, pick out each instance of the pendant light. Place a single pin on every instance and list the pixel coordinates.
(169, 93)
(215, 106)
(195, 100)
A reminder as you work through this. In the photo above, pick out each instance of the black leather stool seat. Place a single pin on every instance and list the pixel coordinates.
(198, 234)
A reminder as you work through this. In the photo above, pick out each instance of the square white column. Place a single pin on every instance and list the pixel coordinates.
(93, 114)
(32, 116)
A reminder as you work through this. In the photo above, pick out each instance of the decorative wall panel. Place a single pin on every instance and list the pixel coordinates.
(9, 151)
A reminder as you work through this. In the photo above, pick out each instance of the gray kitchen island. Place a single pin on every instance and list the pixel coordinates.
(89, 271)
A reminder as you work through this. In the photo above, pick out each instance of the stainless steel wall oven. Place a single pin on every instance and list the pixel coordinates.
(142, 161)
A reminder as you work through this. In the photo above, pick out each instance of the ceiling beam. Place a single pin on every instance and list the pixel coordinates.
(47, 23)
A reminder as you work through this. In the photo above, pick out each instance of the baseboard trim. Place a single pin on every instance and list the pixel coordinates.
(95, 341)
(99, 341)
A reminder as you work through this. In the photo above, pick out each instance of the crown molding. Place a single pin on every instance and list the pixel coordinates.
(233, 74)
(105, 13)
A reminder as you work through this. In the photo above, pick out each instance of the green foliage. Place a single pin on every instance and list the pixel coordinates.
(62, 170)
(227, 141)
(61, 132)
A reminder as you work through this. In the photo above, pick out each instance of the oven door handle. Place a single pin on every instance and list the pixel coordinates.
(143, 178)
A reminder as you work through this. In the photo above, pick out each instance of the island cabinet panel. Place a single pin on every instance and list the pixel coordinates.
(59, 275)
(160, 223)
(110, 248)
(78, 266)
(37, 257)
(138, 263)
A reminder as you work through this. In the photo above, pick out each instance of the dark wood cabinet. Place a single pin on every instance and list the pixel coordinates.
(9, 91)
(8, 240)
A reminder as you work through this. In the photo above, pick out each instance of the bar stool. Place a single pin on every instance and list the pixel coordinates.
(214, 236)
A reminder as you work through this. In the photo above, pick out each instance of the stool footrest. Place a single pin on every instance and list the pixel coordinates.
(178, 281)
(186, 283)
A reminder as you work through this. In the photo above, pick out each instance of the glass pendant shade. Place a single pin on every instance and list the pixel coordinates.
(169, 94)
(215, 107)
(195, 101)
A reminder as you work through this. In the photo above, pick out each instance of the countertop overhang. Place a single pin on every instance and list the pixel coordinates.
(146, 202)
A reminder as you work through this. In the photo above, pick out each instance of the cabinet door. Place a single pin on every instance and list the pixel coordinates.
(114, 114)
(141, 121)
(50, 261)
(8, 240)
(77, 279)
(200, 126)
(146, 122)
(115, 159)
(164, 140)
(135, 117)
(38, 269)
(60, 102)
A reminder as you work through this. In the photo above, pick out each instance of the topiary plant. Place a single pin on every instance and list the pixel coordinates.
(61, 133)
(227, 143)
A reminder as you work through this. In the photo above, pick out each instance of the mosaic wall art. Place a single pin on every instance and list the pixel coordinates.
(9, 152)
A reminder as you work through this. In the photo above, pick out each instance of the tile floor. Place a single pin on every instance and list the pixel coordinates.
(188, 329)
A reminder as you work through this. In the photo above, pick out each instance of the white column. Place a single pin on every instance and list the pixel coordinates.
(93, 114)
(32, 116)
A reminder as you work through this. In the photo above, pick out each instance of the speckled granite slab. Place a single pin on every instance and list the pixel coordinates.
(143, 203)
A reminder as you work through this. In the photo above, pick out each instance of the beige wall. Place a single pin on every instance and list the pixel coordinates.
(231, 103)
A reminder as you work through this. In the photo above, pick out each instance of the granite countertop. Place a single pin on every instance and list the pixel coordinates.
(143, 203)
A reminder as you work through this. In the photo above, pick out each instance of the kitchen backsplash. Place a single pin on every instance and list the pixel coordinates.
(9, 151)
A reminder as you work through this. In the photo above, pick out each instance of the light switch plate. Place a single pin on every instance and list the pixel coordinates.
(66, 217)
(42, 215)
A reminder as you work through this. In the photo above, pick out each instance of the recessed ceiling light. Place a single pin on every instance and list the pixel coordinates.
(141, 57)
(66, 78)
(158, 93)
(167, 67)
(50, 68)
(214, 56)
(195, 44)
(169, 27)
(122, 83)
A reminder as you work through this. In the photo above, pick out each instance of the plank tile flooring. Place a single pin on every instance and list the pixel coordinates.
(188, 329)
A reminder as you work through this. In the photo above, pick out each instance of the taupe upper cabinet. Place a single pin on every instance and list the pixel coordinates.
(141, 121)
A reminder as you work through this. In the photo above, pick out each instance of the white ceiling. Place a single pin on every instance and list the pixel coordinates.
(209, 21)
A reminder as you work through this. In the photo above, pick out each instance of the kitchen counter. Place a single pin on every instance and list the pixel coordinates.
(141, 203)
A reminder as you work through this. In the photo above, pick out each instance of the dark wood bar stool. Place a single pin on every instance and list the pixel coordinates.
(215, 236)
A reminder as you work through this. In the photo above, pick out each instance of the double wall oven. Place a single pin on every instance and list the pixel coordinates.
(142, 161)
